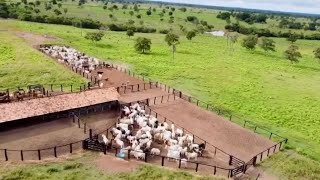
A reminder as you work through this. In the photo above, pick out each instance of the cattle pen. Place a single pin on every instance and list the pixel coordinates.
(86, 102)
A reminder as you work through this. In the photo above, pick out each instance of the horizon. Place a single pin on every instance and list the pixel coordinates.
(294, 6)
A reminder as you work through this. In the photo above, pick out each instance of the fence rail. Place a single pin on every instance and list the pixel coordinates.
(91, 144)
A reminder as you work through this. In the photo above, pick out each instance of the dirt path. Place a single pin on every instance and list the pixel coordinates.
(222, 133)
(35, 39)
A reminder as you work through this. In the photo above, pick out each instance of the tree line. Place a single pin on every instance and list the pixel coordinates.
(261, 32)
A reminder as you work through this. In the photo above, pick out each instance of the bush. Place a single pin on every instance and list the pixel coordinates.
(192, 18)
(164, 31)
(250, 42)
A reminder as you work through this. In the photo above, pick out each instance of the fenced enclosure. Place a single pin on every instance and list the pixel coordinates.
(74, 115)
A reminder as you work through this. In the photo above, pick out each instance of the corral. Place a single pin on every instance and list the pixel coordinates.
(95, 111)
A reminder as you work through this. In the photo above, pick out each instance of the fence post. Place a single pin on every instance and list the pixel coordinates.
(70, 148)
(131, 88)
(51, 88)
(162, 161)
(150, 84)
(55, 152)
(129, 151)
(148, 102)
(78, 123)
(275, 146)
(71, 88)
(138, 87)
(39, 155)
(197, 167)
(6, 154)
(230, 160)
(254, 163)
(261, 155)
(230, 118)
(61, 88)
(280, 145)
(145, 157)
(245, 122)
(21, 154)
(161, 99)
(255, 129)
(154, 100)
(179, 163)
(144, 86)
(85, 128)
(104, 149)
(215, 170)
(268, 152)
(270, 135)
(90, 133)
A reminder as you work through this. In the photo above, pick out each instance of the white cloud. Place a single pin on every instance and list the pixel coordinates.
(305, 6)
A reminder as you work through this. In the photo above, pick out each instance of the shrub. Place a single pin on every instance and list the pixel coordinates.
(164, 31)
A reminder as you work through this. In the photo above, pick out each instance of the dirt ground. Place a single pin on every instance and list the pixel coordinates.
(113, 164)
(220, 132)
(55, 133)
(35, 39)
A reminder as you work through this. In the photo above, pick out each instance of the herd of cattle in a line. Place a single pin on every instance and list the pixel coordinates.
(149, 131)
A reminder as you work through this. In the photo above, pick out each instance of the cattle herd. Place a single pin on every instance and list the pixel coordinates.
(71, 57)
(141, 131)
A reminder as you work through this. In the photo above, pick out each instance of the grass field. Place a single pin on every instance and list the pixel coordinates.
(84, 168)
(21, 65)
(95, 11)
(262, 87)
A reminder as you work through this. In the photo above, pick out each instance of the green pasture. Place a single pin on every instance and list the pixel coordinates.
(84, 168)
(22, 65)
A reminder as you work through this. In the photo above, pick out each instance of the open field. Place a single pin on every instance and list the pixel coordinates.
(21, 65)
(91, 166)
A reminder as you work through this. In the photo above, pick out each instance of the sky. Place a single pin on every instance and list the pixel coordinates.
(302, 6)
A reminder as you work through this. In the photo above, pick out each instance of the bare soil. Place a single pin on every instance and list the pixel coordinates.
(220, 132)
(35, 39)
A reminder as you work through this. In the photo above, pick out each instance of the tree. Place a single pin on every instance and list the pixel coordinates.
(57, 12)
(293, 54)
(173, 9)
(37, 2)
(37, 11)
(142, 45)
(94, 36)
(292, 38)
(172, 40)
(161, 14)
(54, 1)
(149, 12)
(131, 13)
(139, 16)
(190, 35)
(183, 9)
(130, 32)
(136, 8)
(317, 54)
(250, 42)
(65, 10)
(170, 13)
(59, 5)
(267, 44)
